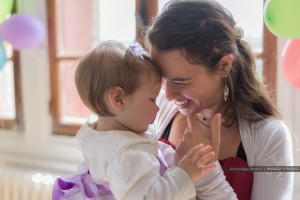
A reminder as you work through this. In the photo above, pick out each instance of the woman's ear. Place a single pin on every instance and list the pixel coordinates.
(115, 97)
(225, 65)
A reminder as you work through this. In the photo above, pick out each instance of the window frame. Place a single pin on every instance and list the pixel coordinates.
(54, 59)
(18, 122)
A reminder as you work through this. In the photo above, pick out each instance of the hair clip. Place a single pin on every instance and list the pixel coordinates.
(137, 50)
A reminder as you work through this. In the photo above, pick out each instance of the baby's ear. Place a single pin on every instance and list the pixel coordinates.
(115, 97)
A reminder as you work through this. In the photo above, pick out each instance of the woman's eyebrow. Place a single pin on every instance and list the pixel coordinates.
(180, 79)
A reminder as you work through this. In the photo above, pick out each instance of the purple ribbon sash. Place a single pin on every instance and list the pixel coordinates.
(81, 186)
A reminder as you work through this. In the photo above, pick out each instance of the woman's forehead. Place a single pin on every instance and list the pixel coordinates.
(174, 64)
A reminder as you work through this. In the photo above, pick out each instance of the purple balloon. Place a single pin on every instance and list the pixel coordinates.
(23, 31)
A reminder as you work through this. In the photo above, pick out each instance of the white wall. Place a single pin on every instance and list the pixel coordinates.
(36, 146)
(289, 105)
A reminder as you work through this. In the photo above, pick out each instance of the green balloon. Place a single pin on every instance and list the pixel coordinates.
(5, 9)
(282, 17)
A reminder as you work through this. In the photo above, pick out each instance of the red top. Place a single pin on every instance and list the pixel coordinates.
(167, 142)
(240, 181)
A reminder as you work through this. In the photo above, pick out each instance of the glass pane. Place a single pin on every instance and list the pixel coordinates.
(72, 109)
(74, 26)
(248, 15)
(161, 4)
(7, 92)
(82, 24)
(117, 20)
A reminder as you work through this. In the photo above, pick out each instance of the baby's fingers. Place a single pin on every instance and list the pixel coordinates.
(207, 168)
(194, 152)
(200, 152)
(205, 158)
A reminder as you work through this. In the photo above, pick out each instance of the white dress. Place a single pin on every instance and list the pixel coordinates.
(128, 162)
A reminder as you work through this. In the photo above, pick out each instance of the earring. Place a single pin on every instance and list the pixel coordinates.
(226, 90)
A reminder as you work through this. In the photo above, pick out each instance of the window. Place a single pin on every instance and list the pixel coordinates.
(74, 27)
(71, 31)
(77, 25)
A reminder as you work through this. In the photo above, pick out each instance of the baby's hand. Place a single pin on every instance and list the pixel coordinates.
(195, 161)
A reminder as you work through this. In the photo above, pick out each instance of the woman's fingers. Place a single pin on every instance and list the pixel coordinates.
(194, 136)
(193, 123)
(215, 133)
(195, 151)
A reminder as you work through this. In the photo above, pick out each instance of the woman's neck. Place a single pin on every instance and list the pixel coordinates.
(206, 115)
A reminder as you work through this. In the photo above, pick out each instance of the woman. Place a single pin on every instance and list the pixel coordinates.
(207, 69)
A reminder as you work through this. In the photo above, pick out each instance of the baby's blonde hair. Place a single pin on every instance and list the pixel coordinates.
(111, 64)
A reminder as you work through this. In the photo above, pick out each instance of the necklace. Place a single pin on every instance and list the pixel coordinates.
(205, 122)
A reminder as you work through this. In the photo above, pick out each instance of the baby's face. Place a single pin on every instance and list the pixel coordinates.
(140, 107)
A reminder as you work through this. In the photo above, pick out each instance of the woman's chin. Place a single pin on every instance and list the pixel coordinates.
(187, 112)
(192, 110)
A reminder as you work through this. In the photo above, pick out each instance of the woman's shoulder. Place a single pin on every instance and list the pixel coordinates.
(265, 133)
(266, 140)
(269, 126)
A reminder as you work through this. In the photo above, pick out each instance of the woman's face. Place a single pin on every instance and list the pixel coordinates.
(191, 87)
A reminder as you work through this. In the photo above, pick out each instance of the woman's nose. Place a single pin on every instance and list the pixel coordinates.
(163, 84)
(170, 90)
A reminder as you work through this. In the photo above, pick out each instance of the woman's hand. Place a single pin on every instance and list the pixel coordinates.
(194, 135)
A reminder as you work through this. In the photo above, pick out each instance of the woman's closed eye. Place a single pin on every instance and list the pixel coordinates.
(181, 83)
